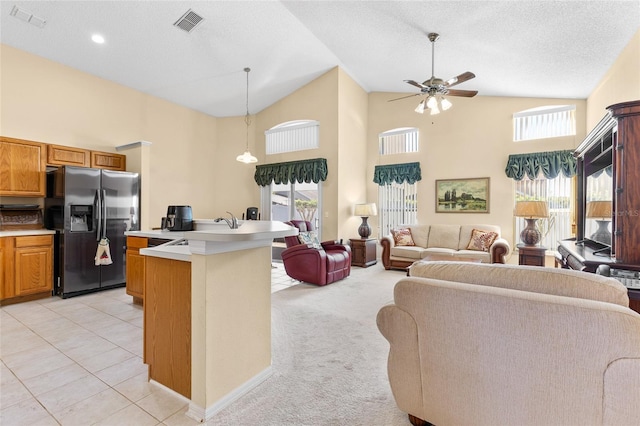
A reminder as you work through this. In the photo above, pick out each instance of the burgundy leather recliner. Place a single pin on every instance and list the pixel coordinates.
(320, 266)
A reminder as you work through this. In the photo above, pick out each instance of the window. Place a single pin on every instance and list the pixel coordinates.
(557, 193)
(398, 141)
(293, 136)
(544, 122)
(397, 205)
(288, 201)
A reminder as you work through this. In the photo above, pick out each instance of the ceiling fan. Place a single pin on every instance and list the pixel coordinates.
(435, 88)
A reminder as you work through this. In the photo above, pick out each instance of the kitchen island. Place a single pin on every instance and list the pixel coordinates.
(207, 312)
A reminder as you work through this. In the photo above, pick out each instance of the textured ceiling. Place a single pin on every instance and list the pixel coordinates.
(556, 49)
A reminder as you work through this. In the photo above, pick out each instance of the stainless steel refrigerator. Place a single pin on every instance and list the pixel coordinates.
(84, 206)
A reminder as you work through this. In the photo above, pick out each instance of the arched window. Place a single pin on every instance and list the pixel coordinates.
(398, 141)
(544, 122)
(293, 136)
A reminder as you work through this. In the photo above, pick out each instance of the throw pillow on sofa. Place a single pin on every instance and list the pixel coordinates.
(309, 238)
(481, 240)
(402, 237)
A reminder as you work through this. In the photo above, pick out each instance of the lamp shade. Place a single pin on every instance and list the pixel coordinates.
(365, 210)
(598, 209)
(532, 209)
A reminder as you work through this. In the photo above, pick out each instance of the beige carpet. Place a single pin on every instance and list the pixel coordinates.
(329, 359)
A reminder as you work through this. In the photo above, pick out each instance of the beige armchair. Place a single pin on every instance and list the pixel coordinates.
(481, 344)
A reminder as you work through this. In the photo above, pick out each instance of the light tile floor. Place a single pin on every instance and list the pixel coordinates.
(78, 361)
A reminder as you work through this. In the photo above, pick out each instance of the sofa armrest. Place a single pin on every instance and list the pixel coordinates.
(387, 243)
(403, 365)
(499, 250)
(621, 392)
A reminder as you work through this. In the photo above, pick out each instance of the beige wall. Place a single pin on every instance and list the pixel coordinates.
(192, 156)
(472, 139)
(352, 156)
(317, 100)
(621, 83)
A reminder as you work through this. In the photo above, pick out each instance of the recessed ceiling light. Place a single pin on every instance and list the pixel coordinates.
(97, 38)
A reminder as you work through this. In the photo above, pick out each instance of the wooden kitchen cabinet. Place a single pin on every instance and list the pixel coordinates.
(108, 160)
(22, 168)
(167, 323)
(7, 288)
(27, 267)
(58, 155)
(135, 268)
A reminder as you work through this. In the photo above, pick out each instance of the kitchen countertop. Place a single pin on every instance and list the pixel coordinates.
(156, 233)
(26, 232)
(215, 238)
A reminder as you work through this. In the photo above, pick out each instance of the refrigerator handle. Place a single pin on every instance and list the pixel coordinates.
(104, 213)
(99, 211)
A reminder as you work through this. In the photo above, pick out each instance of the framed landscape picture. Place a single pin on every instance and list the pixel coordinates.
(462, 195)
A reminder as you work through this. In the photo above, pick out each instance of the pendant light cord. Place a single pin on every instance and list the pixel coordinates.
(247, 117)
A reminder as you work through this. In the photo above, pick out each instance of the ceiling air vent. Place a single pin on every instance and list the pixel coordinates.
(26, 16)
(188, 21)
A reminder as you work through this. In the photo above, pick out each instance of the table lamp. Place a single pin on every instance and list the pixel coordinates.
(601, 212)
(531, 211)
(364, 211)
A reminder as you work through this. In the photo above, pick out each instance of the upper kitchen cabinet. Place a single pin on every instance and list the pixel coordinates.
(22, 167)
(58, 155)
(108, 160)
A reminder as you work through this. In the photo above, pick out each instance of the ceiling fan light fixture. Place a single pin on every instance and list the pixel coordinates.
(247, 158)
(420, 108)
(445, 104)
(432, 102)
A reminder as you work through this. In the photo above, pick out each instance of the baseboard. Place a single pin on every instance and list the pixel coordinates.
(201, 414)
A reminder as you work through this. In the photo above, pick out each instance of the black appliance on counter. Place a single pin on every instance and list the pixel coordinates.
(179, 218)
(252, 213)
(85, 206)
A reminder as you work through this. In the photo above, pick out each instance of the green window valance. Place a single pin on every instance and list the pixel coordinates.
(313, 170)
(399, 173)
(550, 163)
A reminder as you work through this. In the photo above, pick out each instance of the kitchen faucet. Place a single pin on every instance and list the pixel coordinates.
(233, 223)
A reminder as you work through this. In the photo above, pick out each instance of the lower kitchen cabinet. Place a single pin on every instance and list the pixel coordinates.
(27, 268)
(135, 268)
(167, 323)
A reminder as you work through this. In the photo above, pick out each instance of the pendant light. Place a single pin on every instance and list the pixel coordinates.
(247, 157)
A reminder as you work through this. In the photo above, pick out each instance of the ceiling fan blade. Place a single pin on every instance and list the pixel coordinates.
(465, 76)
(463, 93)
(415, 83)
(404, 97)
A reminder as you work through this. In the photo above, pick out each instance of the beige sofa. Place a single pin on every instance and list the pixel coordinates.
(479, 344)
(442, 240)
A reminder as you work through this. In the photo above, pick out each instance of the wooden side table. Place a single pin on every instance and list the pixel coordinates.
(363, 252)
(531, 255)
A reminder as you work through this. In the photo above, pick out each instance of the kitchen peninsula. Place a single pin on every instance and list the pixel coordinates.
(207, 312)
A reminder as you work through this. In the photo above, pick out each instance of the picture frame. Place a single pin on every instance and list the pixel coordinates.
(469, 195)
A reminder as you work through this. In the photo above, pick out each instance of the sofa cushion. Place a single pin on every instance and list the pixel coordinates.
(420, 234)
(483, 256)
(481, 240)
(560, 282)
(402, 237)
(467, 230)
(309, 238)
(444, 236)
(410, 252)
(440, 251)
